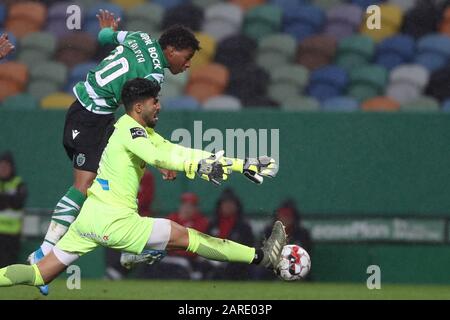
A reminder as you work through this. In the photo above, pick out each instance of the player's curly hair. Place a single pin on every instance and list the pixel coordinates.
(138, 89)
(180, 38)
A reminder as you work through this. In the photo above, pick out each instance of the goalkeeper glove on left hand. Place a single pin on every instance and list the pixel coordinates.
(255, 169)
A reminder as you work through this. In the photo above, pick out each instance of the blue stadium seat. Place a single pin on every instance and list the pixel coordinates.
(327, 82)
(2, 14)
(446, 106)
(343, 103)
(181, 103)
(78, 73)
(365, 3)
(396, 50)
(433, 51)
(302, 21)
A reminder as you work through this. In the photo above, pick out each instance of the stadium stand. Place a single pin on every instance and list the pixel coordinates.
(348, 64)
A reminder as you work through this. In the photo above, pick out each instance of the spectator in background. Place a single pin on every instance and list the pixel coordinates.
(13, 194)
(229, 223)
(5, 46)
(290, 216)
(146, 193)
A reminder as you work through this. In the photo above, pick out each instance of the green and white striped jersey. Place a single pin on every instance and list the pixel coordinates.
(137, 55)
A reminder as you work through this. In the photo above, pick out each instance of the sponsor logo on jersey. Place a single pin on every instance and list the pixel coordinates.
(138, 132)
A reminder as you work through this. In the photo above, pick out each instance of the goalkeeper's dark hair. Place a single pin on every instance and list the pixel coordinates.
(137, 90)
(180, 38)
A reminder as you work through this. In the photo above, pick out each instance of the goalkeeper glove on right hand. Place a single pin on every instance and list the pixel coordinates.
(214, 169)
(255, 169)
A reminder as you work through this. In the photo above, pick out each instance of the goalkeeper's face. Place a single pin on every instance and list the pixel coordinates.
(150, 111)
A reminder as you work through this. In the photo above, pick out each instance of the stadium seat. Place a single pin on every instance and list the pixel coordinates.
(407, 82)
(145, 17)
(223, 20)
(391, 22)
(249, 83)
(261, 21)
(37, 46)
(46, 78)
(343, 20)
(422, 103)
(276, 50)
(57, 100)
(76, 48)
(78, 73)
(340, 104)
(57, 19)
(25, 17)
(446, 106)
(207, 53)
(394, 51)
(287, 81)
(381, 103)
(91, 25)
(300, 103)
(13, 79)
(222, 103)
(303, 21)
(23, 101)
(355, 51)
(186, 14)
(181, 103)
(327, 4)
(207, 81)
(316, 51)
(2, 14)
(248, 4)
(327, 82)
(367, 82)
(205, 4)
(405, 5)
(236, 51)
(365, 3)
(127, 4)
(433, 51)
(439, 84)
(170, 90)
(167, 4)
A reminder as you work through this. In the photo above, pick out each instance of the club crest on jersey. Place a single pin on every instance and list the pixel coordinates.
(138, 132)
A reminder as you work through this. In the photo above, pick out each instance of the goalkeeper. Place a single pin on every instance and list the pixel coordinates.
(109, 215)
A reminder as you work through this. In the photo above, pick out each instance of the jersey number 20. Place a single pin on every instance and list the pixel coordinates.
(120, 65)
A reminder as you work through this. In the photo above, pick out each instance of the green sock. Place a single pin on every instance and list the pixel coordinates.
(20, 274)
(219, 249)
(64, 214)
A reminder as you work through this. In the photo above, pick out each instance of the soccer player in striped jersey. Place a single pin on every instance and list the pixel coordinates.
(109, 216)
(90, 119)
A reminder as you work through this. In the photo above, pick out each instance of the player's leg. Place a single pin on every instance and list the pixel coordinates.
(33, 275)
(168, 235)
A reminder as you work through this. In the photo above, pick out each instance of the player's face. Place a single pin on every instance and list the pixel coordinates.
(150, 111)
(180, 60)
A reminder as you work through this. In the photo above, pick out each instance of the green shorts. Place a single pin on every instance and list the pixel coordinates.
(108, 226)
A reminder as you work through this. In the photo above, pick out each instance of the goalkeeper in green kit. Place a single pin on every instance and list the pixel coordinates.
(90, 119)
(109, 215)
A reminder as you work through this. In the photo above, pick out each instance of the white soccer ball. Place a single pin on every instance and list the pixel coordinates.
(295, 263)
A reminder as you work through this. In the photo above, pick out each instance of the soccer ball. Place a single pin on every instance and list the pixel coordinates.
(295, 263)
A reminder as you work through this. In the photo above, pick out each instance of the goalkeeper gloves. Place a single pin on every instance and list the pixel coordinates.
(214, 169)
(255, 169)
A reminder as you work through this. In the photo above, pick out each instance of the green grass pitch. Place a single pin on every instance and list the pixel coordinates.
(223, 290)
